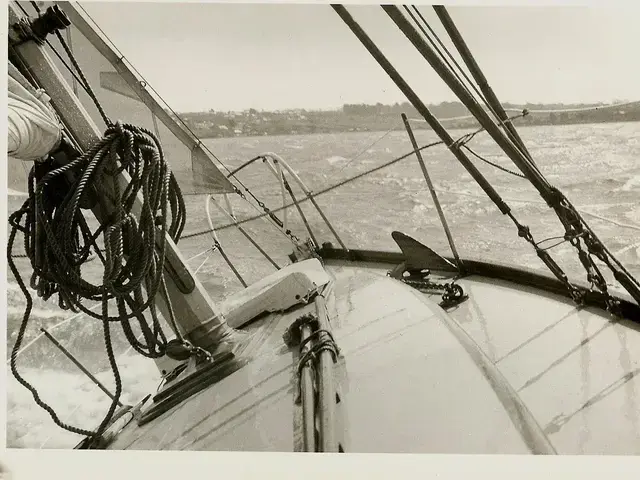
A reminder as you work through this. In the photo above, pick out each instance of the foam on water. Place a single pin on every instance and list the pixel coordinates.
(75, 399)
(632, 184)
(336, 159)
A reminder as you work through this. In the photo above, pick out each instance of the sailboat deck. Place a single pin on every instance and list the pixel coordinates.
(576, 369)
(410, 383)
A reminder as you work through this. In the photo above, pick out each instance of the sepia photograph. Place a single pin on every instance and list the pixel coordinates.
(323, 228)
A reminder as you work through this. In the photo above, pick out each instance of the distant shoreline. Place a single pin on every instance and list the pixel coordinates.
(415, 126)
(375, 118)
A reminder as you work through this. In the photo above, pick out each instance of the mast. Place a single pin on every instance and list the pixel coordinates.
(510, 149)
(575, 226)
(197, 316)
(421, 107)
(479, 77)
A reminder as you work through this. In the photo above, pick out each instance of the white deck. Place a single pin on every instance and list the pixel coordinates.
(409, 385)
(575, 369)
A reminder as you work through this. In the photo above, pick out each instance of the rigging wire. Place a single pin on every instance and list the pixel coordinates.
(543, 111)
(364, 150)
(439, 51)
(581, 109)
(53, 327)
(456, 64)
(499, 167)
(319, 192)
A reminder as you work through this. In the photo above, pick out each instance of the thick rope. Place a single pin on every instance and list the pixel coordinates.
(56, 240)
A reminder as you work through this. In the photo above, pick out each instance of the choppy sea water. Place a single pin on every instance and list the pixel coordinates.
(596, 166)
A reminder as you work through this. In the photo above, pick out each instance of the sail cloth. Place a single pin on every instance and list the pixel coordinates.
(190, 162)
(33, 127)
(125, 96)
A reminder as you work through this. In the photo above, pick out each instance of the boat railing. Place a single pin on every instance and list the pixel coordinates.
(283, 173)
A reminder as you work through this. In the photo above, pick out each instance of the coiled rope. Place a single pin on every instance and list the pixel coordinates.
(57, 240)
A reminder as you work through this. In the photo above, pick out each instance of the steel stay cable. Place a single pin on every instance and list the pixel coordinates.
(579, 109)
(364, 150)
(442, 55)
(54, 326)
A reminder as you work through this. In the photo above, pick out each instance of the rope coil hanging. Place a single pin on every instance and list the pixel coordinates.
(58, 240)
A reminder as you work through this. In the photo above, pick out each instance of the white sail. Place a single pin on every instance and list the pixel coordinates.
(111, 79)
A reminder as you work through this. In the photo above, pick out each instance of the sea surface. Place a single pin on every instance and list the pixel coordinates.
(596, 166)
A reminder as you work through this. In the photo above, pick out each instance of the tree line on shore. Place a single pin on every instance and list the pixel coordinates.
(379, 117)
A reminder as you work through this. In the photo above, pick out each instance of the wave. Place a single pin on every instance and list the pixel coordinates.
(74, 397)
(336, 159)
(632, 184)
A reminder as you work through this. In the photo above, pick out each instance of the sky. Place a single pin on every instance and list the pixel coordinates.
(202, 56)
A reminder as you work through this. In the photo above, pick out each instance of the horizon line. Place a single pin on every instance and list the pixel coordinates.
(451, 102)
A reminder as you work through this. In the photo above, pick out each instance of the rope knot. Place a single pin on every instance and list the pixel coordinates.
(115, 129)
